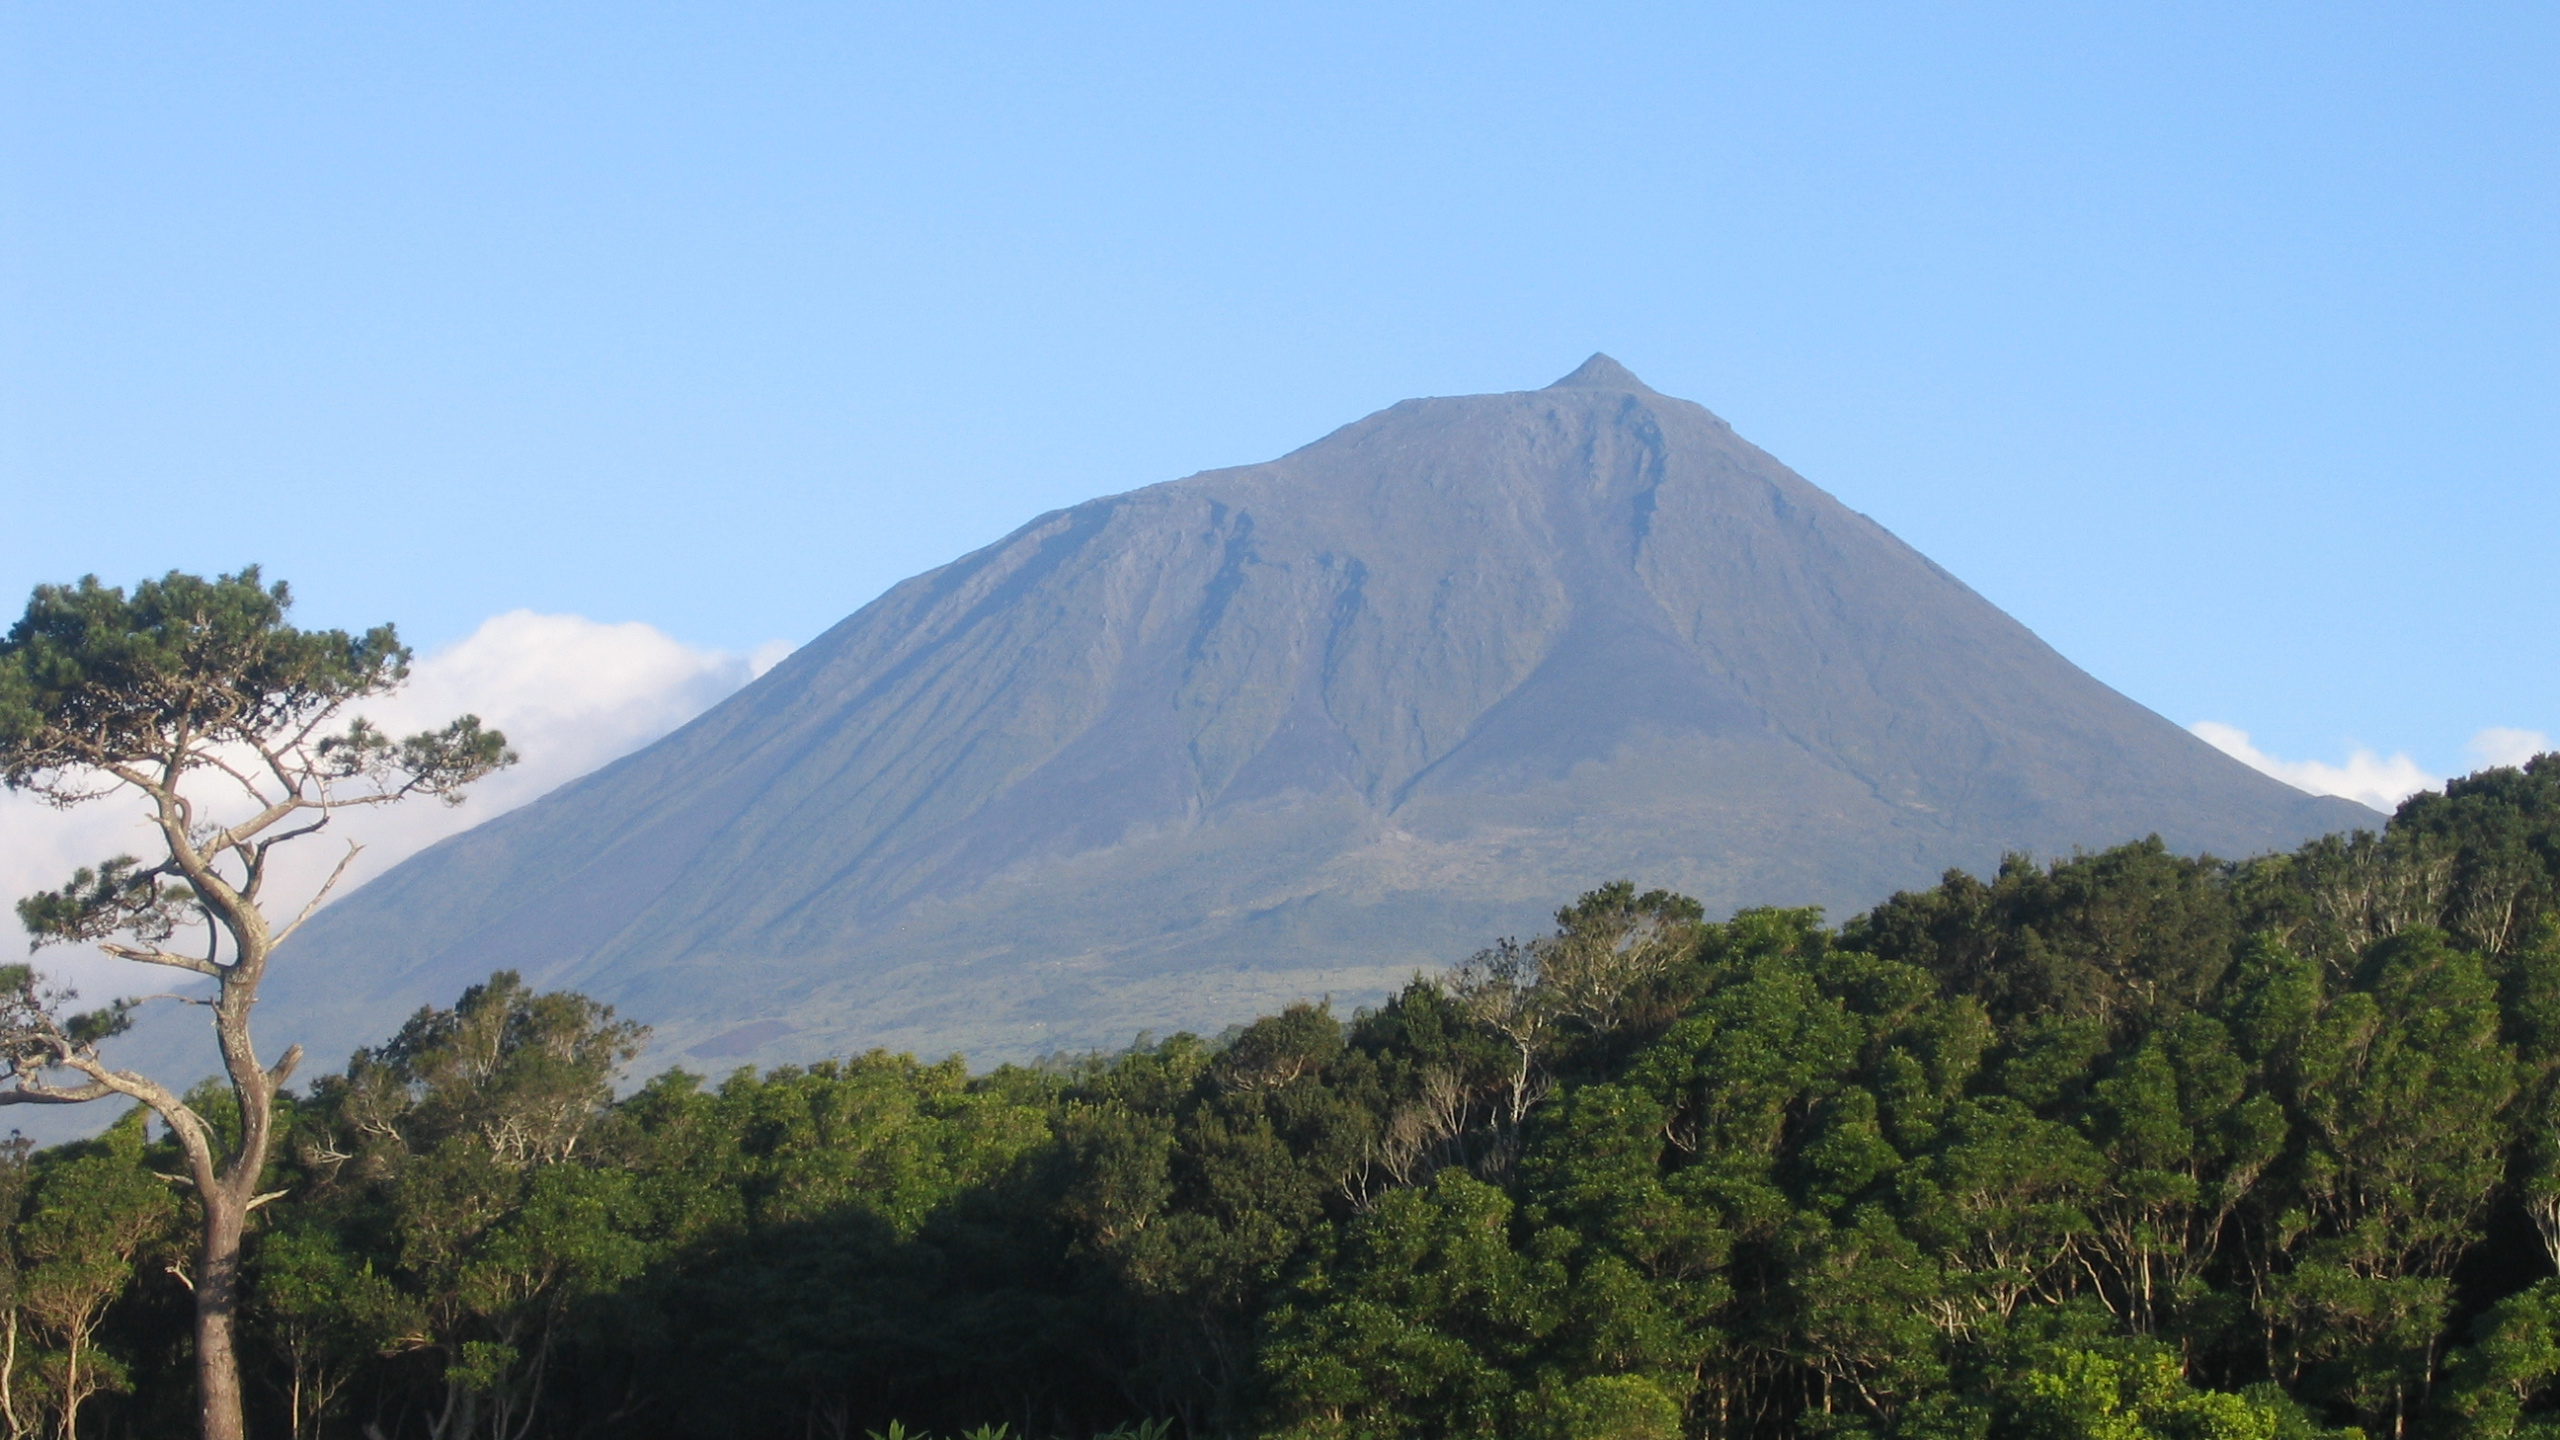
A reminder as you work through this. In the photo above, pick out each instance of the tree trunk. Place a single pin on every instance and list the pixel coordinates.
(9, 1380)
(217, 1309)
(71, 1395)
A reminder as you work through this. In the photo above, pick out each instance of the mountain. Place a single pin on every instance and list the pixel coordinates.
(1172, 758)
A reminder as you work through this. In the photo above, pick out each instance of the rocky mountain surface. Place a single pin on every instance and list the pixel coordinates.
(1175, 757)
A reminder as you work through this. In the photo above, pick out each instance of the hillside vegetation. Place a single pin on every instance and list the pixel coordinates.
(2129, 1145)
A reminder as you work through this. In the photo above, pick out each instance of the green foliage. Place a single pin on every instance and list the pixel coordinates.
(121, 896)
(2499, 1385)
(1418, 1322)
(90, 1213)
(91, 676)
(2093, 1394)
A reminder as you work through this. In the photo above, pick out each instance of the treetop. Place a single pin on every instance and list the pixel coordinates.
(91, 676)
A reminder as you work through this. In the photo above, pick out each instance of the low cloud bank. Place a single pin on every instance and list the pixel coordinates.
(570, 693)
(2369, 778)
(2501, 745)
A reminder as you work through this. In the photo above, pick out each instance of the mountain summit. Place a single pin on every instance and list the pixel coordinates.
(1175, 757)
(1602, 373)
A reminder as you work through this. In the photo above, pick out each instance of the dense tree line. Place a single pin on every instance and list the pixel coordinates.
(2129, 1145)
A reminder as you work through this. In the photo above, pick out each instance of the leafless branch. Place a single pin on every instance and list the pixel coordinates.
(154, 955)
(247, 786)
(36, 1092)
(247, 830)
(353, 849)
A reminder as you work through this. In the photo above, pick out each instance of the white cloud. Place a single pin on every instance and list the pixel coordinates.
(2503, 745)
(2366, 778)
(570, 693)
(2369, 778)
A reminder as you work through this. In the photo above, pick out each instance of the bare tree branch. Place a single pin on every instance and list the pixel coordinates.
(154, 955)
(353, 850)
(36, 1092)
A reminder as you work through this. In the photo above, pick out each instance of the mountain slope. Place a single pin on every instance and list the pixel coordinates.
(1172, 757)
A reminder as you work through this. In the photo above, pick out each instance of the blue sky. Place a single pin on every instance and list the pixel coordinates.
(2215, 343)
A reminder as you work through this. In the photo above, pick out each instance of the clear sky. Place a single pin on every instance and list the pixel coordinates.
(2217, 343)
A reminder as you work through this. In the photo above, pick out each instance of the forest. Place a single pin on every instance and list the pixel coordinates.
(2120, 1146)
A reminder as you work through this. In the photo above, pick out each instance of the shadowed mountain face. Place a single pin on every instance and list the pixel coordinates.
(1171, 758)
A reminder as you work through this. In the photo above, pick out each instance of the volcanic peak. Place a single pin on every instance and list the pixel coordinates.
(1602, 373)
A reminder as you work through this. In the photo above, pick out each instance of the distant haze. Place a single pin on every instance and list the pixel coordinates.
(1171, 758)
